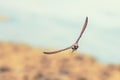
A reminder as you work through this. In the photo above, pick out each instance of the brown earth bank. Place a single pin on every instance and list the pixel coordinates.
(23, 62)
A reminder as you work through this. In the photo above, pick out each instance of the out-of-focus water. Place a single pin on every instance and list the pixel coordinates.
(57, 24)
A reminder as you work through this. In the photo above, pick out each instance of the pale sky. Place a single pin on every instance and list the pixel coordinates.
(57, 24)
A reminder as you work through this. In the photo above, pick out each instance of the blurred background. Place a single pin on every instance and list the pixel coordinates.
(57, 24)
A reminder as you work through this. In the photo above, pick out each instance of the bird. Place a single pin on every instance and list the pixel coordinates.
(75, 46)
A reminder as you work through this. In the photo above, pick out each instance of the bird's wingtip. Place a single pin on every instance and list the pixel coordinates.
(86, 17)
(45, 52)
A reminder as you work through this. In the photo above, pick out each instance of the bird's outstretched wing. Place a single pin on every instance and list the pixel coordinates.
(83, 29)
(58, 51)
(71, 47)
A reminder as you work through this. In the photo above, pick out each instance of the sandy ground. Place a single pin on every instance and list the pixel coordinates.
(23, 62)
